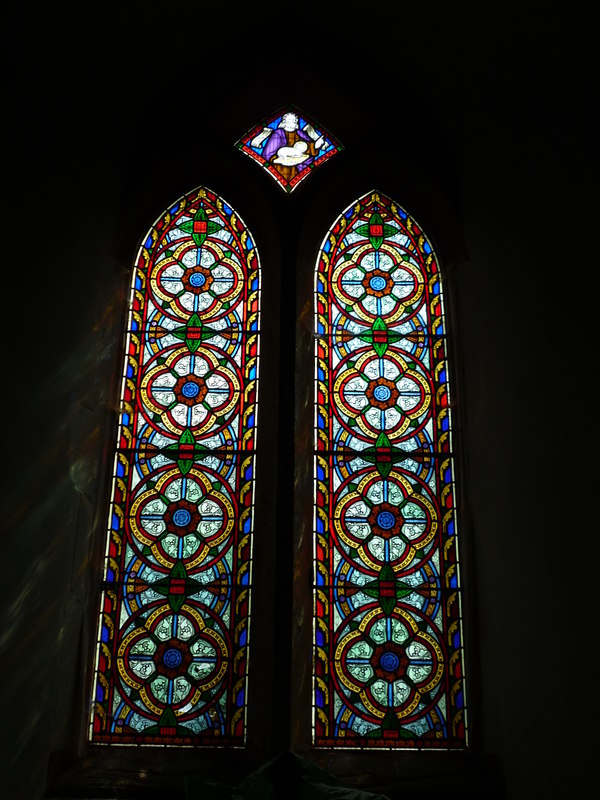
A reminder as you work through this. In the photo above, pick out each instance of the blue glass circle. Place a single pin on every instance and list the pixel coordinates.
(181, 517)
(377, 283)
(197, 279)
(172, 658)
(382, 393)
(386, 520)
(389, 661)
(190, 389)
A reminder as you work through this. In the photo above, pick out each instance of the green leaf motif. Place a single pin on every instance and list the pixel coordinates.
(200, 227)
(376, 230)
(380, 337)
(185, 465)
(390, 722)
(168, 718)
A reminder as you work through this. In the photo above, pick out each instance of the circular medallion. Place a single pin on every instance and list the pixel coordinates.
(389, 662)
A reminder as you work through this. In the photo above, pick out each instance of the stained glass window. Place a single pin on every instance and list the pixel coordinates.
(172, 652)
(388, 657)
(289, 145)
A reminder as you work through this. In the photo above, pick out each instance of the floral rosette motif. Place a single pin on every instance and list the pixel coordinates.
(198, 391)
(381, 394)
(389, 663)
(379, 283)
(183, 518)
(385, 520)
(198, 280)
(173, 660)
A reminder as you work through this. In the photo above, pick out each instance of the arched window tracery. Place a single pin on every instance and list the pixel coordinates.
(388, 648)
(172, 651)
(386, 275)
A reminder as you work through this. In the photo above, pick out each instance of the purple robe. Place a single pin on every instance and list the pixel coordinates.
(279, 139)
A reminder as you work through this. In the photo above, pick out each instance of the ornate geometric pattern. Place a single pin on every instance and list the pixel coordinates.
(172, 653)
(388, 662)
(289, 145)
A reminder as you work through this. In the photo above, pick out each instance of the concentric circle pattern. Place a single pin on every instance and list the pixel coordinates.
(388, 663)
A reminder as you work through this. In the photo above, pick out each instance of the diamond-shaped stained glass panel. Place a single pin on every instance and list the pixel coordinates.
(289, 146)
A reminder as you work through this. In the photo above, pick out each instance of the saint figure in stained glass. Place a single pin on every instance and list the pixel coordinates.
(288, 146)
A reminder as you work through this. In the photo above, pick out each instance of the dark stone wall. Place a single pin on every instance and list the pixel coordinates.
(482, 128)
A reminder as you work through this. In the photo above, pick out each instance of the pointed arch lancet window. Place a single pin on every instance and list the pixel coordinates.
(388, 659)
(288, 145)
(172, 652)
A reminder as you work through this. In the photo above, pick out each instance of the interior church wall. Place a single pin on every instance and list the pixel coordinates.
(490, 121)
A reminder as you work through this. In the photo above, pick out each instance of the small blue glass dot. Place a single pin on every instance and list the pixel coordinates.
(382, 393)
(190, 389)
(389, 662)
(197, 279)
(172, 658)
(385, 520)
(377, 283)
(181, 517)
